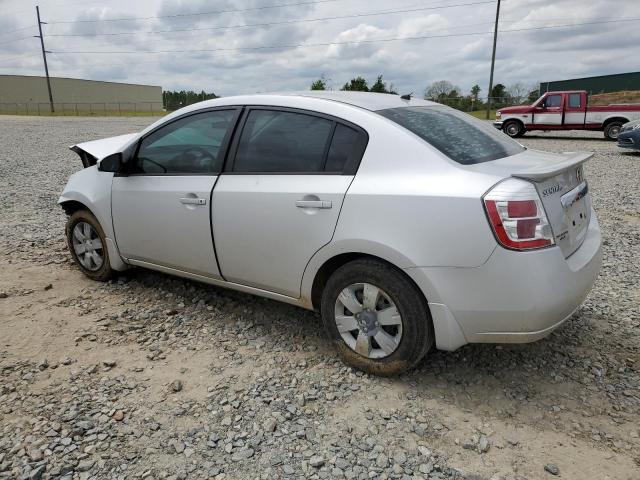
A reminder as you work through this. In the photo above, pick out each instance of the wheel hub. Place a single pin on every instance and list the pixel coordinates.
(367, 321)
(87, 246)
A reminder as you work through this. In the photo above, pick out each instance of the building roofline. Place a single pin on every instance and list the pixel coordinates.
(588, 78)
(82, 79)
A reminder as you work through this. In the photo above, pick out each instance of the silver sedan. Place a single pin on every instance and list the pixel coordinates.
(407, 224)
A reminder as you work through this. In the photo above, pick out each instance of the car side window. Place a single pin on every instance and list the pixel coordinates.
(553, 101)
(282, 142)
(188, 145)
(574, 100)
(345, 145)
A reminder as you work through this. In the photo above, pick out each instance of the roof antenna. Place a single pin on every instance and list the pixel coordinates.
(407, 96)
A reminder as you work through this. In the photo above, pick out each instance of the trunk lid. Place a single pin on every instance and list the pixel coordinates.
(561, 184)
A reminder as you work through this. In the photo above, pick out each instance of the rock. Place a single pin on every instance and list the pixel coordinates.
(469, 444)
(49, 286)
(43, 365)
(109, 363)
(316, 461)
(270, 424)
(382, 461)
(177, 445)
(176, 386)
(483, 444)
(118, 416)
(552, 468)
(85, 465)
(4, 295)
(36, 473)
(35, 454)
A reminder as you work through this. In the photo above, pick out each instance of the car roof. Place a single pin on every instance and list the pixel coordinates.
(367, 100)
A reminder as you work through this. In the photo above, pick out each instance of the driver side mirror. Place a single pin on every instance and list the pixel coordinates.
(112, 163)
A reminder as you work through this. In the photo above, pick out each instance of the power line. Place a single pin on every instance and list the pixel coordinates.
(19, 57)
(16, 40)
(213, 12)
(17, 30)
(282, 22)
(324, 44)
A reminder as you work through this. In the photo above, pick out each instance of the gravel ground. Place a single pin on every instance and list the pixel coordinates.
(156, 377)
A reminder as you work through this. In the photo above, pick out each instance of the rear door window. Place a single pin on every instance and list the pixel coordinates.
(283, 142)
(574, 100)
(461, 137)
(345, 145)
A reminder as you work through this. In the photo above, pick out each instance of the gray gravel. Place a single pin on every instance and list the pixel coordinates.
(166, 378)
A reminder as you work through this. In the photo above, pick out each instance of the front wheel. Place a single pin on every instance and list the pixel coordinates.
(513, 128)
(612, 130)
(87, 244)
(376, 318)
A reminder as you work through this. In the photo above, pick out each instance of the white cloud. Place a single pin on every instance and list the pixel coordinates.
(526, 56)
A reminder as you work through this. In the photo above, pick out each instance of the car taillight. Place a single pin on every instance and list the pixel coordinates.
(517, 217)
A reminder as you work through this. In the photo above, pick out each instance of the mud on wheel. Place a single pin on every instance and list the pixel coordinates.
(87, 244)
(376, 317)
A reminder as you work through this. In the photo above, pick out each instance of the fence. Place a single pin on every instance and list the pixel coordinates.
(83, 109)
(470, 104)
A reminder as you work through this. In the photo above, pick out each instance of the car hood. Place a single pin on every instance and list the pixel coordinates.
(99, 149)
(630, 125)
(520, 109)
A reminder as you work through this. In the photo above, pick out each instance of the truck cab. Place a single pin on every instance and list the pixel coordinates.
(566, 110)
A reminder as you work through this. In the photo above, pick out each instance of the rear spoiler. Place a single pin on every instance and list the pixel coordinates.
(573, 159)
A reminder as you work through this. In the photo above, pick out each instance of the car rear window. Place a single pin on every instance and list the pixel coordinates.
(459, 136)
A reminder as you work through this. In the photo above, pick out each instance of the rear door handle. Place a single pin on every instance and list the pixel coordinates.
(313, 204)
(193, 201)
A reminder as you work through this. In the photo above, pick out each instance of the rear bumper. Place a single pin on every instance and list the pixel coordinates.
(498, 124)
(515, 297)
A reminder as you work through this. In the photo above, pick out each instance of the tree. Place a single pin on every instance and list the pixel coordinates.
(177, 99)
(320, 84)
(533, 96)
(381, 87)
(440, 90)
(517, 93)
(357, 84)
(498, 94)
(475, 91)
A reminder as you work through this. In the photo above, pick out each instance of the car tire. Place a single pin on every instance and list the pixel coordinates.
(395, 353)
(513, 128)
(87, 243)
(612, 130)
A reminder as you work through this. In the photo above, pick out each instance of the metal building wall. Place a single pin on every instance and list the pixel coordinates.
(602, 84)
(84, 94)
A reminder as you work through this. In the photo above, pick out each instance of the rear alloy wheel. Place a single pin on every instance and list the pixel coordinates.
(612, 130)
(513, 128)
(87, 244)
(376, 317)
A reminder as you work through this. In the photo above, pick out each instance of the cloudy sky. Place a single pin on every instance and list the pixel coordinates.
(248, 46)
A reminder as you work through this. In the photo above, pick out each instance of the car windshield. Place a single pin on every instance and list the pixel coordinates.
(459, 136)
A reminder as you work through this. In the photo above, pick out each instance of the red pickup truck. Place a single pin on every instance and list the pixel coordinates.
(565, 111)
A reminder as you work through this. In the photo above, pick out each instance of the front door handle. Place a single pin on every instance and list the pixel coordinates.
(313, 204)
(193, 201)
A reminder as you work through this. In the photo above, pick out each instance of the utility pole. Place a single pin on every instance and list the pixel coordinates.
(44, 57)
(493, 59)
